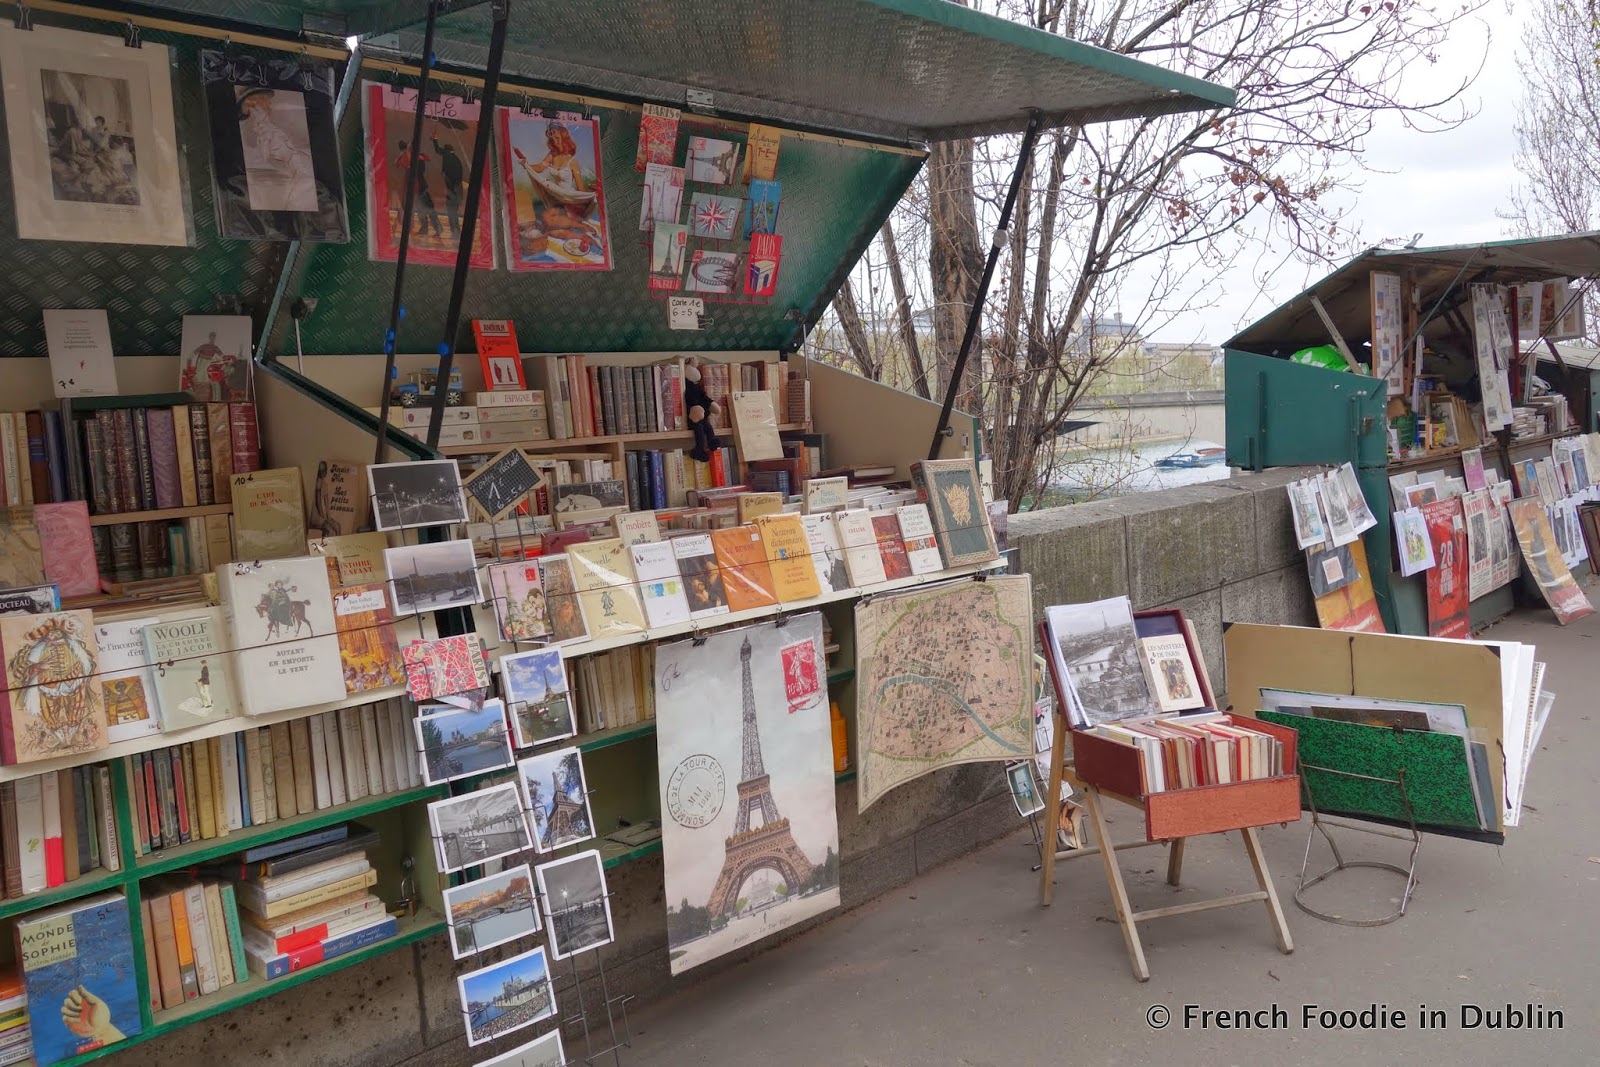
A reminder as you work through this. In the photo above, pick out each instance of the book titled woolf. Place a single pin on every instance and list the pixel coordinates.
(77, 965)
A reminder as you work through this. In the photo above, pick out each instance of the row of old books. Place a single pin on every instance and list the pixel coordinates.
(54, 544)
(56, 827)
(193, 939)
(1195, 750)
(207, 789)
(16, 1036)
(615, 688)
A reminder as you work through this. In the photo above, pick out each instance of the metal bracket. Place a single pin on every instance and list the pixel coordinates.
(700, 100)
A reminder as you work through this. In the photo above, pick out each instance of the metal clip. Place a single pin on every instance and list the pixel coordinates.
(696, 638)
(781, 620)
(526, 107)
(130, 35)
(24, 16)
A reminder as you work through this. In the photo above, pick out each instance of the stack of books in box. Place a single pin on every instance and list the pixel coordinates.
(1196, 750)
(309, 900)
(16, 1042)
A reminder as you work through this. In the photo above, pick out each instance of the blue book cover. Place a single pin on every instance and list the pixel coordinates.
(77, 965)
(658, 482)
(295, 844)
(333, 947)
(244, 782)
(761, 206)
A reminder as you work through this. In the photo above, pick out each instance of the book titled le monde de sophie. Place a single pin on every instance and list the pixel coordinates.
(77, 965)
(280, 615)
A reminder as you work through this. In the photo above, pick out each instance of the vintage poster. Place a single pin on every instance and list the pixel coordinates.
(274, 147)
(1492, 339)
(1411, 538)
(449, 126)
(1503, 543)
(215, 357)
(555, 205)
(1305, 506)
(1448, 598)
(1476, 509)
(94, 153)
(945, 677)
(749, 829)
(1349, 603)
(1387, 332)
(1538, 545)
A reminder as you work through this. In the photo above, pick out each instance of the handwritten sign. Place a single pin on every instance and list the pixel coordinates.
(497, 487)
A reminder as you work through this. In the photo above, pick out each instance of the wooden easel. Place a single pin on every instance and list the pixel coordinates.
(1127, 918)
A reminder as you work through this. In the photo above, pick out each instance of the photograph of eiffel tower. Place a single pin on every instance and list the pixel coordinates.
(754, 849)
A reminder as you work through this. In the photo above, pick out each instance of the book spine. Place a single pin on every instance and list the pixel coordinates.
(284, 755)
(385, 760)
(371, 755)
(200, 438)
(338, 791)
(152, 800)
(217, 428)
(183, 445)
(405, 750)
(219, 799)
(355, 766)
(173, 759)
(269, 776)
(658, 479)
(304, 778)
(148, 536)
(106, 813)
(30, 833)
(152, 965)
(163, 457)
(252, 773)
(331, 891)
(242, 773)
(94, 449)
(191, 790)
(189, 976)
(141, 819)
(217, 927)
(168, 969)
(55, 446)
(205, 799)
(230, 783)
(126, 469)
(245, 437)
(13, 842)
(55, 863)
(38, 467)
(74, 825)
(144, 459)
(319, 764)
(230, 917)
(597, 400)
(11, 465)
(194, 907)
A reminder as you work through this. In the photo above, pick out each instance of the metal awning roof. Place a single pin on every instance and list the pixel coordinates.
(899, 70)
(327, 18)
(1345, 294)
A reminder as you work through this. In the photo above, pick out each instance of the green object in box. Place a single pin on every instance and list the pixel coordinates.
(1437, 768)
(1325, 356)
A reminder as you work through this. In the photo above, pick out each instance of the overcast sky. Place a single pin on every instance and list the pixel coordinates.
(1447, 186)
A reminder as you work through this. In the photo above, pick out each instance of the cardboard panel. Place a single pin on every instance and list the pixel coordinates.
(1388, 666)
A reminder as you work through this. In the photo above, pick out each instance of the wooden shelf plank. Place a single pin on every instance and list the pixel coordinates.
(578, 444)
(617, 735)
(232, 725)
(97, 882)
(158, 514)
(615, 855)
(197, 852)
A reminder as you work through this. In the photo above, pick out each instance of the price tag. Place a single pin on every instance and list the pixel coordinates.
(683, 312)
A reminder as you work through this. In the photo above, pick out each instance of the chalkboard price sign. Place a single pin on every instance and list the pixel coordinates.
(501, 484)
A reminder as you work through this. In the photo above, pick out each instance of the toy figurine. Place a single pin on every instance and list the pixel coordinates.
(699, 407)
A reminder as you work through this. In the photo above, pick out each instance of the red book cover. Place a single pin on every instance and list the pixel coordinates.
(719, 470)
(886, 531)
(38, 469)
(164, 458)
(301, 938)
(152, 799)
(498, 354)
(180, 796)
(306, 957)
(245, 436)
(68, 547)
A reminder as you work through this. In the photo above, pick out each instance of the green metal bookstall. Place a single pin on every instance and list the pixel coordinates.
(1283, 413)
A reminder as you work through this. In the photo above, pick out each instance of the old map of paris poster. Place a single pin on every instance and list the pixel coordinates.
(945, 676)
(748, 826)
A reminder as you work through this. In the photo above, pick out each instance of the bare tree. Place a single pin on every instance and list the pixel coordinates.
(1558, 124)
(1141, 216)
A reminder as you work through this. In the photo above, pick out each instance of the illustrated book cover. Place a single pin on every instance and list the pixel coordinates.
(280, 615)
(742, 564)
(56, 705)
(369, 648)
(78, 968)
(193, 678)
(955, 504)
(127, 682)
(607, 591)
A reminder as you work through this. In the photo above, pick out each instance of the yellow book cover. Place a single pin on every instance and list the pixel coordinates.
(21, 559)
(354, 559)
(369, 650)
(754, 505)
(742, 561)
(794, 576)
(269, 517)
(185, 444)
(603, 574)
(220, 431)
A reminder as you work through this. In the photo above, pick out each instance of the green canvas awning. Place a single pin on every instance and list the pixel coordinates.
(899, 70)
(1345, 293)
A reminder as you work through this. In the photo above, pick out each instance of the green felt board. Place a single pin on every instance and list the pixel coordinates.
(1438, 776)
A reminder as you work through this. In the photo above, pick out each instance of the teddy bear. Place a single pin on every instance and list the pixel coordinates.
(699, 407)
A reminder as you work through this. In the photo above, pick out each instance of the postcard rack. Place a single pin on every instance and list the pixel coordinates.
(1107, 770)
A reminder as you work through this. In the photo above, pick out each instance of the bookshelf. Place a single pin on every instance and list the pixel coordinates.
(161, 514)
(578, 444)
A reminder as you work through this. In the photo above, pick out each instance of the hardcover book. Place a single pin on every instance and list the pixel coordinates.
(54, 699)
(67, 547)
(742, 563)
(788, 552)
(78, 967)
(955, 504)
(861, 556)
(369, 649)
(269, 519)
(916, 531)
(607, 592)
(192, 677)
(660, 584)
(517, 595)
(280, 614)
(127, 683)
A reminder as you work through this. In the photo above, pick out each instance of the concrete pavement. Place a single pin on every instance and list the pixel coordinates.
(963, 967)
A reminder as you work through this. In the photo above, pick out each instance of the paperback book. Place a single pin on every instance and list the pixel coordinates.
(192, 677)
(280, 613)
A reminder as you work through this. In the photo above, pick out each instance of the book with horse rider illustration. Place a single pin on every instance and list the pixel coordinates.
(285, 640)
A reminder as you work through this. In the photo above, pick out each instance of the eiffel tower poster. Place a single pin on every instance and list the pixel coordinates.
(749, 830)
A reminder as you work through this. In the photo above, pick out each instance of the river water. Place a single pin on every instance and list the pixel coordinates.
(1120, 471)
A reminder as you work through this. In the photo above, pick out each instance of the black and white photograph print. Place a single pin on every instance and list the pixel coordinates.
(92, 142)
(590, 496)
(479, 826)
(576, 904)
(274, 147)
(542, 1051)
(432, 577)
(506, 996)
(536, 688)
(491, 911)
(424, 493)
(1097, 652)
(456, 742)
(557, 798)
